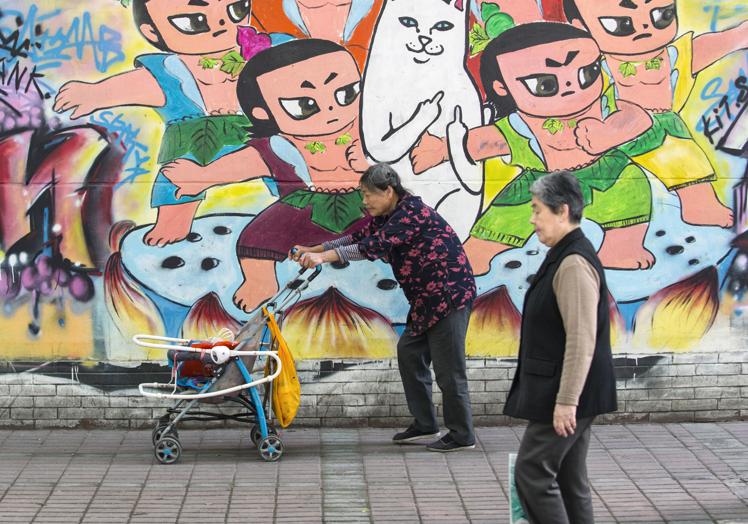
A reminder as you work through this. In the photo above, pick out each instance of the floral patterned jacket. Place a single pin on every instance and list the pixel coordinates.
(426, 256)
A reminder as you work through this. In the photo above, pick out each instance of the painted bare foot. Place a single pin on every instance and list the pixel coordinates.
(700, 206)
(172, 225)
(623, 248)
(480, 253)
(259, 283)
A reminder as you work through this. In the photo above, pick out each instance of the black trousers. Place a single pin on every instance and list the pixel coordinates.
(551, 475)
(444, 345)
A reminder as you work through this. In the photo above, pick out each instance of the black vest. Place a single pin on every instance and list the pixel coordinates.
(543, 344)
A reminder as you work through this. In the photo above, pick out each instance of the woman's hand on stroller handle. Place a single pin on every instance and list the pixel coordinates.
(298, 250)
(309, 259)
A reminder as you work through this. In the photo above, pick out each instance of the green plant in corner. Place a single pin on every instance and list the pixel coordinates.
(494, 23)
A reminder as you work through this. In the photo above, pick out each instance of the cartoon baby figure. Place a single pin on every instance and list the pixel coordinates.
(302, 97)
(544, 82)
(652, 68)
(185, 85)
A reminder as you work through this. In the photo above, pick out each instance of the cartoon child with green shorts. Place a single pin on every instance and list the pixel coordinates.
(194, 98)
(648, 66)
(544, 82)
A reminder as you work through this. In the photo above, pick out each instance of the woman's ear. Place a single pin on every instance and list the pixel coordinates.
(260, 113)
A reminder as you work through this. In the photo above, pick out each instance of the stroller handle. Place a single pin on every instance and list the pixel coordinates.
(196, 396)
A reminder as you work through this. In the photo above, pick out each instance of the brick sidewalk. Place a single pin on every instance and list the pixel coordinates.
(640, 473)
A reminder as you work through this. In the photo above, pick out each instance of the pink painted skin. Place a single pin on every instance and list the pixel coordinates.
(139, 88)
(325, 19)
(567, 149)
(651, 89)
(338, 168)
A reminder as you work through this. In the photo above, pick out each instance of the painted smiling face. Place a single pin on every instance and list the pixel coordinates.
(628, 27)
(314, 97)
(552, 80)
(193, 27)
(425, 31)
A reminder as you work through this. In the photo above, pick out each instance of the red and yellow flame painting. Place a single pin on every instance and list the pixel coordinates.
(494, 326)
(331, 324)
(678, 316)
(207, 318)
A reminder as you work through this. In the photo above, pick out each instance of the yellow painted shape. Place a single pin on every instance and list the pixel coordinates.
(325, 338)
(74, 340)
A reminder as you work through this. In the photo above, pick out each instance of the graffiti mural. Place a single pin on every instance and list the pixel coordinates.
(159, 159)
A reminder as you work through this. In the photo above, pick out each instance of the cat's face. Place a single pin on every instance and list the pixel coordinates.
(425, 31)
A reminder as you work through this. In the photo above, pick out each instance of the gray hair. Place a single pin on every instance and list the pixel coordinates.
(557, 189)
(381, 176)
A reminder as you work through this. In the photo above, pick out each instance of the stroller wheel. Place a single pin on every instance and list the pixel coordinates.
(158, 432)
(168, 449)
(271, 448)
(256, 435)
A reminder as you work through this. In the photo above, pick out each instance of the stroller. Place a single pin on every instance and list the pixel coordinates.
(219, 371)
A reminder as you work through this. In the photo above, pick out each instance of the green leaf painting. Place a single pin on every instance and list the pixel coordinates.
(315, 147)
(335, 212)
(495, 22)
(553, 125)
(478, 39)
(343, 140)
(208, 63)
(232, 63)
(654, 63)
(627, 69)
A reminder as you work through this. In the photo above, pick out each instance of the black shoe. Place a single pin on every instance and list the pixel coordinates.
(446, 444)
(412, 434)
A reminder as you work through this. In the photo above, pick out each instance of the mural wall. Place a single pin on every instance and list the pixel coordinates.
(158, 159)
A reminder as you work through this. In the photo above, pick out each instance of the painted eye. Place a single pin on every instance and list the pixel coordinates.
(347, 94)
(238, 11)
(443, 26)
(299, 108)
(618, 25)
(662, 17)
(408, 21)
(541, 85)
(190, 24)
(588, 74)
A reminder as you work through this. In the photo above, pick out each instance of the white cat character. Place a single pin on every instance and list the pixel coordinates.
(415, 82)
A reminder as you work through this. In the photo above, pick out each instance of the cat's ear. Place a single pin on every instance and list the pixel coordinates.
(500, 88)
(260, 113)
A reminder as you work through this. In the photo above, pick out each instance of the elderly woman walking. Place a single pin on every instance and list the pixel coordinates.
(565, 375)
(429, 263)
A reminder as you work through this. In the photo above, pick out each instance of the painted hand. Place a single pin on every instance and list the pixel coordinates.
(188, 176)
(81, 97)
(429, 110)
(429, 152)
(356, 157)
(564, 419)
(591, 136)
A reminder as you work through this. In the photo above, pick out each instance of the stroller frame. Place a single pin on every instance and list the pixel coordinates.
(224, 353)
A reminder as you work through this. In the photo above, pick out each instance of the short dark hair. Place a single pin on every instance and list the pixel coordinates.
(282, 55)
(571, 11)
(381, 176)
(514, 39)
(142, 16)
(559, 188)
